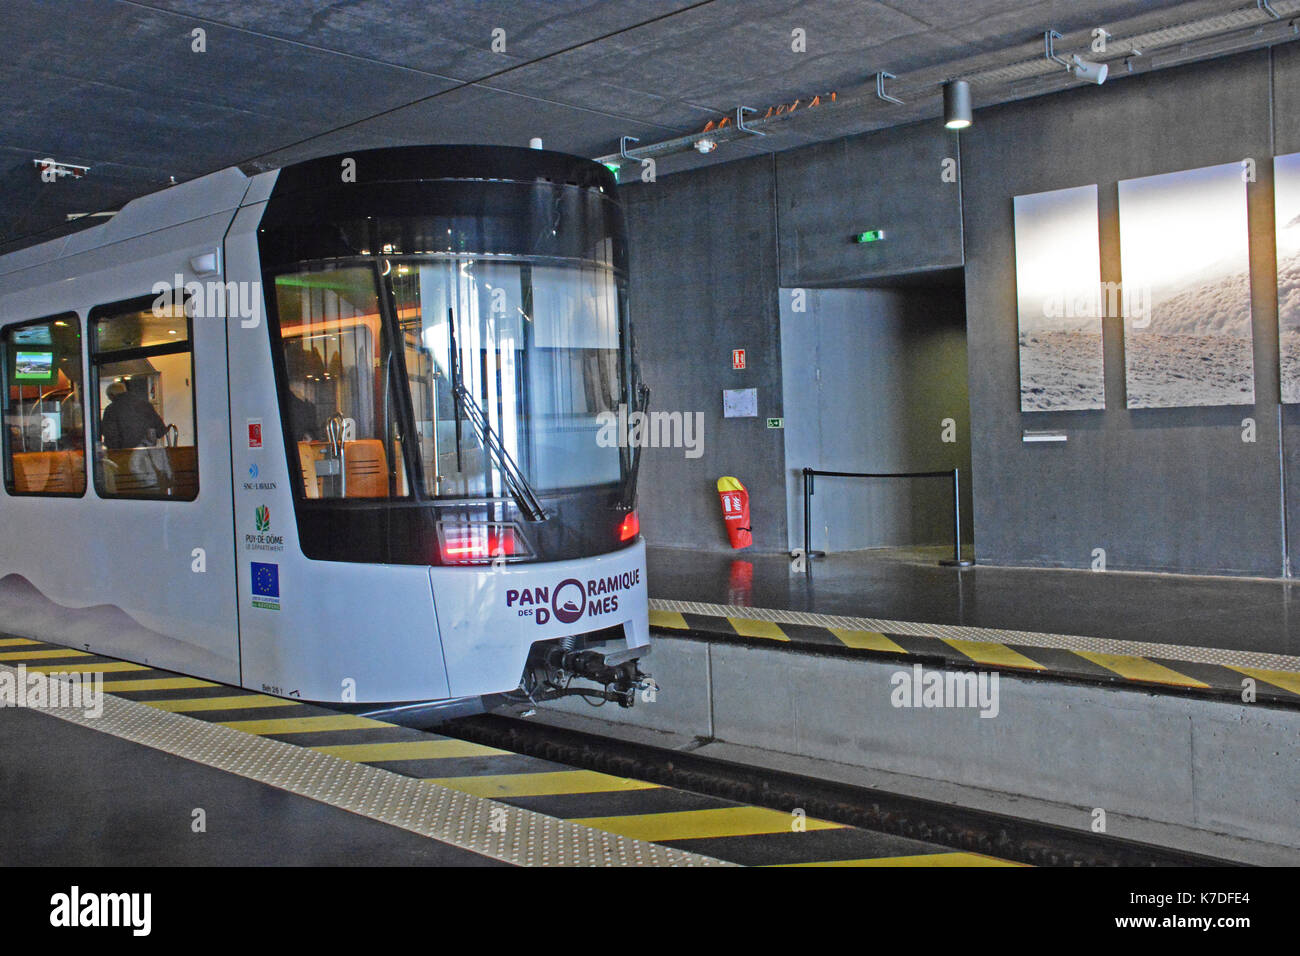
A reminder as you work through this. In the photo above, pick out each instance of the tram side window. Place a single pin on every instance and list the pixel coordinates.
(339, 403)
(142, 390)
(44, 439)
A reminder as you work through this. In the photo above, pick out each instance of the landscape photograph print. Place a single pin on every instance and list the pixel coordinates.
(1286, 199)
(1185, 258)
(1058, 300)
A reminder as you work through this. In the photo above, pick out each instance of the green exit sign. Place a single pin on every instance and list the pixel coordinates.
(871, 235)
(776, 423)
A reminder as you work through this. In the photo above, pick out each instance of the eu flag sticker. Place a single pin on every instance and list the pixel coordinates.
(266, 586)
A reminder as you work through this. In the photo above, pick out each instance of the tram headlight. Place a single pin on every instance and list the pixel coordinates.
(630, 528)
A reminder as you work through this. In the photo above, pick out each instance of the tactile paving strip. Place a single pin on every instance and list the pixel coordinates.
(477, 824)
(1068, 642)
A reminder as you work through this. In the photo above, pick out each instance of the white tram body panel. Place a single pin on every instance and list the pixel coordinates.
(372, 625)
(115, 576)
(222, 586)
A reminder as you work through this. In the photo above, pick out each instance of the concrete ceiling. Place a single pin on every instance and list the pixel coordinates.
(115, 84)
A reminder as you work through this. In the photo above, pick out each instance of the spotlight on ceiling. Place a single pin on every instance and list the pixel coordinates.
(705, 145)
(956, 104)
(1087, 70)
(1080, 68)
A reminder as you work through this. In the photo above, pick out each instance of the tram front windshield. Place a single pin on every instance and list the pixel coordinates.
(510, 369)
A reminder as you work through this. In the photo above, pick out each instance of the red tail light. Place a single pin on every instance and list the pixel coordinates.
(480, 543)
(630, 528)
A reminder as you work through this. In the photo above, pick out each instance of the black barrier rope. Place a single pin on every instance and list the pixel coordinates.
(956, 561)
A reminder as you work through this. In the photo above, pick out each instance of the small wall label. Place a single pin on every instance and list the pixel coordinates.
(737, 358)
(740, 403)
(776, 423)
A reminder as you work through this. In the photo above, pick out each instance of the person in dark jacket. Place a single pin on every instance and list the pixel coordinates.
(303, 424)
(129, 420)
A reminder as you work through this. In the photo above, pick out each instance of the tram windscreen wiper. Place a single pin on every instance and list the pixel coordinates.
(455, 382)
(512, 474)
(628, 498)
(463, 401)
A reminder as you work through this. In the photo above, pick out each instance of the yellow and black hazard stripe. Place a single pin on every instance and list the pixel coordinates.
(712, 826)
(1269, 684)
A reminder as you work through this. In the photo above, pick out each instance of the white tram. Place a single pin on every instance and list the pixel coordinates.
(333, 432)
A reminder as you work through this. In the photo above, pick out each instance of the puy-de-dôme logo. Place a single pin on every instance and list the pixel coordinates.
(263, 518)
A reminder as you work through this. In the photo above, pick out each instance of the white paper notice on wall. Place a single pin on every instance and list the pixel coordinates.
(740, 403)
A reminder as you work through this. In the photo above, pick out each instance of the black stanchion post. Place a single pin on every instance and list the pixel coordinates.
(807, 520)
(957, 561)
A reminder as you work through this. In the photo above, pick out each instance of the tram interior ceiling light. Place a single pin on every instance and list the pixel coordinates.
(706, 145)
(956, 104)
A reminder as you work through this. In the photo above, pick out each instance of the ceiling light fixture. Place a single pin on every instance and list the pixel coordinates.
(1081, 69)
(1020, 72)
(956, 104)
(1087, 70)
(52, 169)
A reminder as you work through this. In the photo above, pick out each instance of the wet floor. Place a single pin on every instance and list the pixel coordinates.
(909, 585)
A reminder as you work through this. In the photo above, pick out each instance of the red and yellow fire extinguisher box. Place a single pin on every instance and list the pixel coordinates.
(735, 511)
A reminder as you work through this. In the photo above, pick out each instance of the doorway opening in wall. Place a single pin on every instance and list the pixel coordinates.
(875, 380)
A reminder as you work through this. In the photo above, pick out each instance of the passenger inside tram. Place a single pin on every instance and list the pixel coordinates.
(302, 413)
(339, 400)
(129, 420)
(143, 362)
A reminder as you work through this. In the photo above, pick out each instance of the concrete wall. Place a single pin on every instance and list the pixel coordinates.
(1207, 765)
(1158, 489)
(1286, 139)
(891, 180)
(1172, 489)
(869, 377)
(703, 264)
(710, 249)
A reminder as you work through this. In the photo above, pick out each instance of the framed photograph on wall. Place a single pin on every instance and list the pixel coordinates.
(1286, 202)
(1185, 256)
(1058, 300)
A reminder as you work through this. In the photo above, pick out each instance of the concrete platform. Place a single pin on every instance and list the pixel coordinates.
(1191, 772)
(1245, 676)
(1249, 614)
(283, 781)
(76, 797)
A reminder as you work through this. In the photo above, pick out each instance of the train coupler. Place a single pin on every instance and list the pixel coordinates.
(554, 669)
